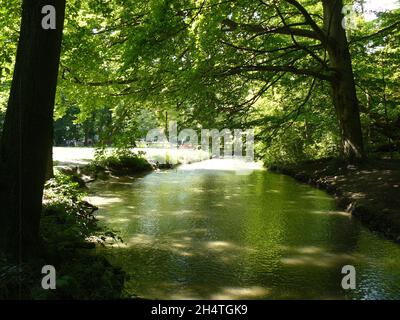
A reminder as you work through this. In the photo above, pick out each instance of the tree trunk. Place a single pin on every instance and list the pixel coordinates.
(49, 168)
(343, 86)
(28, 127)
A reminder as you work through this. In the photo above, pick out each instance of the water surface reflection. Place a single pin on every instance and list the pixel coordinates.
(198, 233)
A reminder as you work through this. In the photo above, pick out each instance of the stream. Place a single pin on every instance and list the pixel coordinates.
(210, 231)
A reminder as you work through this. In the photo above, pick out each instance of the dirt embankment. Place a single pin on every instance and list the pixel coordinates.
(370, 191)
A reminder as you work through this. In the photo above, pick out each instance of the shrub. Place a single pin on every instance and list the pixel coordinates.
(120, 161)
(67, 218)
(67, 222)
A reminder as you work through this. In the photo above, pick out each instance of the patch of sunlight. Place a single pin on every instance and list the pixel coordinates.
(172, 246)
(196, 190)
(177, 248)
(102, 201)
(119, 245)
(192, 231)
(140, 240)
(182, 294)
(70, 155)
(119, 183)
(309, 250)
(124, 212)
(174, 154)
(233, 293)
(181, 212)
(222, 165)
(218, 205)
(118, 220)
(316, 197)
(182, 253)
(219, 246)
(325, 260)
(366, 171)
(357, 195)
(180, 245)
(335, 213)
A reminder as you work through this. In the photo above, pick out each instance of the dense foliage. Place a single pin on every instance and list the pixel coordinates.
(67, 222)
(129, 66)
(120, 161)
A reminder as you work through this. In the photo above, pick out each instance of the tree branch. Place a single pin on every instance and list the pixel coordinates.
(321, 34)
(310, 52)
(286, 30)
(384, 30)
(95, 84)
(290, 69)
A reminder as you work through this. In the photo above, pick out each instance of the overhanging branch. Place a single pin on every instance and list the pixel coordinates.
(254, 28)
(290, 69)
(380, 32)
(309, 19)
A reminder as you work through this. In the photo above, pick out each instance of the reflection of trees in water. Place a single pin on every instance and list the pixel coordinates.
(204, 234)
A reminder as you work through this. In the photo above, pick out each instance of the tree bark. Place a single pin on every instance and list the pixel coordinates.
(49, 168)
(343, 86)
(27, 132)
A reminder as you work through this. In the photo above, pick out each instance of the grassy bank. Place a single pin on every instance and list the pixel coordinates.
(369, 191)
(67, 224)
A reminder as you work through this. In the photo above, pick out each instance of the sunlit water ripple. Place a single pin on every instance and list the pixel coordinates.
(216, 230)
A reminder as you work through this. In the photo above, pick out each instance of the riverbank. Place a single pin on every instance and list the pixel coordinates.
(82, 156)
(369, 191)
(68, 233)
(88, 164)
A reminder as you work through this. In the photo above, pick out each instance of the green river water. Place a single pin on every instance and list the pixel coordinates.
(206, 232)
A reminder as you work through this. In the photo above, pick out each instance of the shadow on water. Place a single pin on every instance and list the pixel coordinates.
(212, 234)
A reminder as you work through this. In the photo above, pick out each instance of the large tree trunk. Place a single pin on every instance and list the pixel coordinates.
(343, 86)
(28, 127)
